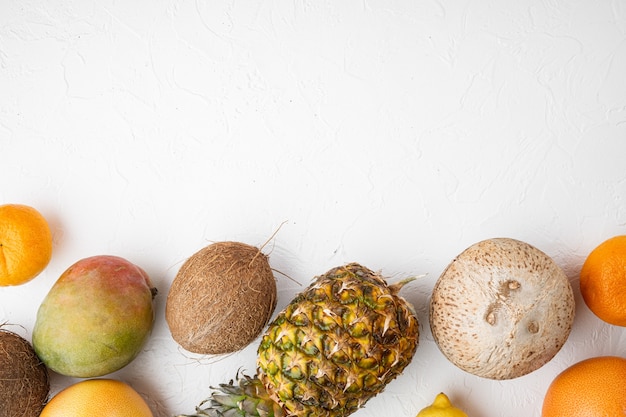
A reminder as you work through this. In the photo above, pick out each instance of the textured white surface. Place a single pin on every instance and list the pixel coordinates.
(391, 133)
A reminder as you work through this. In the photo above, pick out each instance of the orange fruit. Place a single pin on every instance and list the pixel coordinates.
(603, 281)
(97, 397)
(25, 244)
(592, 387)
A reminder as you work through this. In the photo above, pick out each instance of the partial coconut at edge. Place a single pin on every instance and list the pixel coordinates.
(24, 379)
(501, 309)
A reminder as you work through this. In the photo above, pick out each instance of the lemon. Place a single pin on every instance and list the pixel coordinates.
(441, 407)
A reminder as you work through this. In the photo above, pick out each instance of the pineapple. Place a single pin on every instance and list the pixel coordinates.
(336, 345)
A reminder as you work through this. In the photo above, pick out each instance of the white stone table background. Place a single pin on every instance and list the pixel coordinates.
(390, 133)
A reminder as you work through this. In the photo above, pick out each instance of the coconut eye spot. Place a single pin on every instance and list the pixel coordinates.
(533, 327)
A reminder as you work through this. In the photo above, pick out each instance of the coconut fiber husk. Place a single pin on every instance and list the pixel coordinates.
(221, 298)
(24, 383)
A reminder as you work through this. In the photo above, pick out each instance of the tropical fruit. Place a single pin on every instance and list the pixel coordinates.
(589, 388)
(96, 317)
(441, 407)
(603, 281)
(97, 397)
(221, 298)
(501, 309)
(247, 398)
(24, 383)
(25, 244)
(336, 345)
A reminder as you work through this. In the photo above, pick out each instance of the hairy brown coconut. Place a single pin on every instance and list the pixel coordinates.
(221, 298)
(24, 384)
(501, 309)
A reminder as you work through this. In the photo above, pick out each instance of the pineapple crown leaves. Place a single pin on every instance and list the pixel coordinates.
(247, 398)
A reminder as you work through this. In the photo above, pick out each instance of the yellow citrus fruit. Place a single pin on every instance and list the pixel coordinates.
(603, 281)
(441, 407)
(592, 387)
(25, 244)
(97, 397)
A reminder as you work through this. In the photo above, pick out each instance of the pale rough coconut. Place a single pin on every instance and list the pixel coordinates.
(24, 383)
(501, 309)
(221, 298)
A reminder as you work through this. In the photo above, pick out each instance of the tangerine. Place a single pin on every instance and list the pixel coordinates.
(592, 387)
(25, 244)
(97, 397)
(603, 281)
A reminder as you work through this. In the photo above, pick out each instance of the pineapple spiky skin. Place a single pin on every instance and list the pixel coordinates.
(337, 344)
